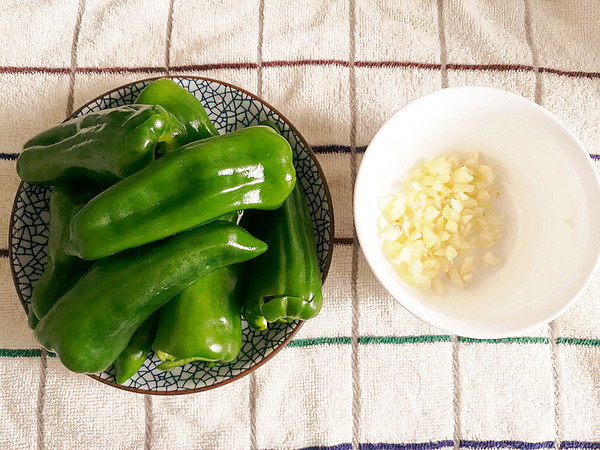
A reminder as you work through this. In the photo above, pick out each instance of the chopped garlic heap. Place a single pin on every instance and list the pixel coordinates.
(434, 226)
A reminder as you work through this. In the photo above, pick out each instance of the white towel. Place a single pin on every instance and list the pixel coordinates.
(405, 384)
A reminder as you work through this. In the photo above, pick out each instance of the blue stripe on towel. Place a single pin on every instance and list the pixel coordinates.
(336, 149)
(416, 446)
(347, 446)
(9, 156)
(463, 444)
(579, 444)
(507, 444)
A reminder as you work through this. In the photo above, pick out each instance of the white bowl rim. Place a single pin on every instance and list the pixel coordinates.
(392, 288)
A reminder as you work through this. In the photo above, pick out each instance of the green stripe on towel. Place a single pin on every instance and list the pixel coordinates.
(320, 341)
(371, 340)
(512, 340)
(579, 341)
(20, 353)
(425, 339)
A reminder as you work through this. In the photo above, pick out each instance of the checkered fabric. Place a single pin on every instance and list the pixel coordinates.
(364, 373)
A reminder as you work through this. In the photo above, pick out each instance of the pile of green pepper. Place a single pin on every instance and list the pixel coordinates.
(163, 233)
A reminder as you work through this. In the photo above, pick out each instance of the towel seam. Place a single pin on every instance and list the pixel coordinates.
(259, 48)
(554, 363)
(148, 412)
(168, 37)
(148, 422)
(553, 343)
(443, 47)
(73, 68)
(252, 388)
(41, 400)
(455, 392)
(69, 110)
(252, 410)
(535, 60)
(454, 339)
(356, 391)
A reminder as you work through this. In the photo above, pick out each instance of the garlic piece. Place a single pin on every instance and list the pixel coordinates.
(434, 226)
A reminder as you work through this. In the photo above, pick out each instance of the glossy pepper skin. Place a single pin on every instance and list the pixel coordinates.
(203, 322)
(132, 358)
(183, 105)
(249, 168)
(62, 270)
(283, 284)
(92, 323)
(102, 147)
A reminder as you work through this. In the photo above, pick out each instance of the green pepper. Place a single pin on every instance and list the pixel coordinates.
(268, 123)
(249, 168)
(32, 319)
(101, 147)
(190, 112)
(283, 284)
(62, 270)
(202, 323)
(183, 105)
(132, 358)
(92, 323)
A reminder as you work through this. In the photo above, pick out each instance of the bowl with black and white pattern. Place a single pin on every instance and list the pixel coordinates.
(230, 108)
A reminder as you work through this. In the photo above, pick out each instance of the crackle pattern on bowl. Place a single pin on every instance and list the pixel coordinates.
(229, 109)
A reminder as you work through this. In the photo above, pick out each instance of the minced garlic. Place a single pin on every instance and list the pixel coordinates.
(431, 229)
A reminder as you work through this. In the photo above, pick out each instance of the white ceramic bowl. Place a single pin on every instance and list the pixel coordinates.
(550, 198)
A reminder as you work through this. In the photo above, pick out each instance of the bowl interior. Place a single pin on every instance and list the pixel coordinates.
(229, 108)
(549, 196)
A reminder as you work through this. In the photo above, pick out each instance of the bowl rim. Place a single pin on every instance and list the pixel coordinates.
(327, 260)
(590, 172)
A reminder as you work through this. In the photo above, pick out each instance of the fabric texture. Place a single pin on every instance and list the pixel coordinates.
(365, 373)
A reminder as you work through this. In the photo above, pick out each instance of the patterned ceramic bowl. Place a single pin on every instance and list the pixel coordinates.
(230, 108)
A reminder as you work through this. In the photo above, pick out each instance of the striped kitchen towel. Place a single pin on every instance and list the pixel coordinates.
(364, 373)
